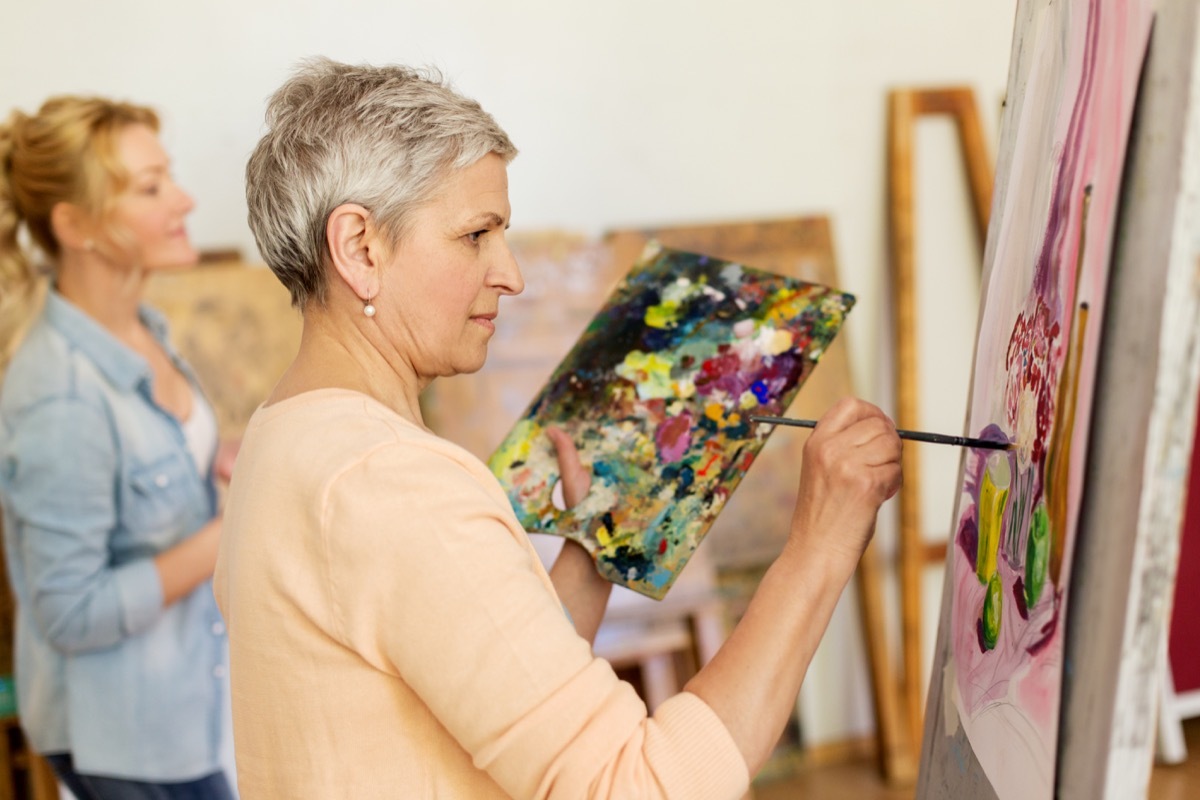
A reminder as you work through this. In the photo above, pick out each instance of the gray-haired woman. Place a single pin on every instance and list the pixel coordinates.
(392, 631)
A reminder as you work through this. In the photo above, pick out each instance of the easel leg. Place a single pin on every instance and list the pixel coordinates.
(897, 760)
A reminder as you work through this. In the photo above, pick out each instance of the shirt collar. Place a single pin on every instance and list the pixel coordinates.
(124, 368)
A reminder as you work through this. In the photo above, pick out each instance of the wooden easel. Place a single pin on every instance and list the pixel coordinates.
(905, 106)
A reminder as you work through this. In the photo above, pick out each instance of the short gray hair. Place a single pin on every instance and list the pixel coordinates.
(382, 137)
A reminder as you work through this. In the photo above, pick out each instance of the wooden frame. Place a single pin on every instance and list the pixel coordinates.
(905, 107)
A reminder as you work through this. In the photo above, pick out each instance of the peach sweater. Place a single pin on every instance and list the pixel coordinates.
(393, 634)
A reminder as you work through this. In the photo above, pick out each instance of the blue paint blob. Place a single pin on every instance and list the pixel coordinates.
(626, 561)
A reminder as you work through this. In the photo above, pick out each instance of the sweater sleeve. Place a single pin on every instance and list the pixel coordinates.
(429, 581)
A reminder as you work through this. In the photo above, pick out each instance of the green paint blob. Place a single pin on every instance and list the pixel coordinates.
(991, 611)
(1037, 554)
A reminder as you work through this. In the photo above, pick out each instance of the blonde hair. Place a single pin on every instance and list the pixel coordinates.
(65, 153)
(382, 137)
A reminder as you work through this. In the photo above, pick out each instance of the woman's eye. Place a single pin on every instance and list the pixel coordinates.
(474, 237)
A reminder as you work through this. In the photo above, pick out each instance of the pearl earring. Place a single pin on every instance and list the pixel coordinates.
(369, 308)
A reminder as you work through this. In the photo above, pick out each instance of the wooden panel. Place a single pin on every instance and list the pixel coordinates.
(234, 324)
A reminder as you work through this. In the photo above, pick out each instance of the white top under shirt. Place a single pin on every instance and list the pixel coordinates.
(200, 433)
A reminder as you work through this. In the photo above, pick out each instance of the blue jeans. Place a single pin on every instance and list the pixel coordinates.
(93, 787)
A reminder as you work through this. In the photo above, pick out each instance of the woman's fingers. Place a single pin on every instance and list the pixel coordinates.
(576, 478)
(851, 467)
(845, 413)
(225, 458)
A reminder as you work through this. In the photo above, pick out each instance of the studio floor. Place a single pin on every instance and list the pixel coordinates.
(860, 779)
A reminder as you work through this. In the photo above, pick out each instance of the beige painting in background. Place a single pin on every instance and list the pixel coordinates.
(235, 325)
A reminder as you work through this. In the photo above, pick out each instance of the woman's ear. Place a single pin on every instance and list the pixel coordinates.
(73, 227)
(354, 248)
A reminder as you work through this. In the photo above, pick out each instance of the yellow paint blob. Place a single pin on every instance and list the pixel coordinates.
(517, 447)
(993, 496)
(650, 372)
(774, 341)
(664, 315)
(787, 304)
(747, 401)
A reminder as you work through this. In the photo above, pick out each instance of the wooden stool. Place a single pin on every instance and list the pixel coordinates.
(24, 775)
(653, 634)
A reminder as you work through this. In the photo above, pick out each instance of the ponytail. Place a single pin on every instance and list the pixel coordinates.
(22, 289)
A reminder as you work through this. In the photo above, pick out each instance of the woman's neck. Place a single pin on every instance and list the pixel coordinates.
(331, 358)
(106, 294)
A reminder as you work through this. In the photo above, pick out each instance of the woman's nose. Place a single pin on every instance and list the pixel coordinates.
(506, 272)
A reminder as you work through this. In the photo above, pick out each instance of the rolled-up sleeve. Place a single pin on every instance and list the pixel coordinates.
(472, 627)
(60, 487)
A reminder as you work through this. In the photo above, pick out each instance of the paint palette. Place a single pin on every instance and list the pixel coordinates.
(655, 394)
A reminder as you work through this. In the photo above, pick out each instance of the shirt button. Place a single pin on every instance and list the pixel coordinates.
(161, 480)
(219, 671)
(218, 628)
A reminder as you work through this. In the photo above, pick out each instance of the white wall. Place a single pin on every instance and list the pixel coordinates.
(627, 113)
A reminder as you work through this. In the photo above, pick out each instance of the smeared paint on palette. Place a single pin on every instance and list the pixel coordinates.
(655, 395)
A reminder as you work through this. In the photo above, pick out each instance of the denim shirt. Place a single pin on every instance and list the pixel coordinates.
(95, 480)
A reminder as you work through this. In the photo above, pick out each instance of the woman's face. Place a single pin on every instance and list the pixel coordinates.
(148, 215)
(440, 295)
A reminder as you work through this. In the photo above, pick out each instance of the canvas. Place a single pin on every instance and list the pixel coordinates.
(1035, 368)
(656, 394)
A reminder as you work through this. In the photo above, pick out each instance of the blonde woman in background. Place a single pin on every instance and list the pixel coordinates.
(108, 461)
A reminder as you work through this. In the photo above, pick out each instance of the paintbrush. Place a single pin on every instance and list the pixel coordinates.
(917, 436)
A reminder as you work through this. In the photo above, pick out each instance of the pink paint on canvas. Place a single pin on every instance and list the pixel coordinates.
(1039, 334)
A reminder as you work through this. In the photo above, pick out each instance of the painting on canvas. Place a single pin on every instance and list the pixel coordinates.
(1039, 334)
(656, 394)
